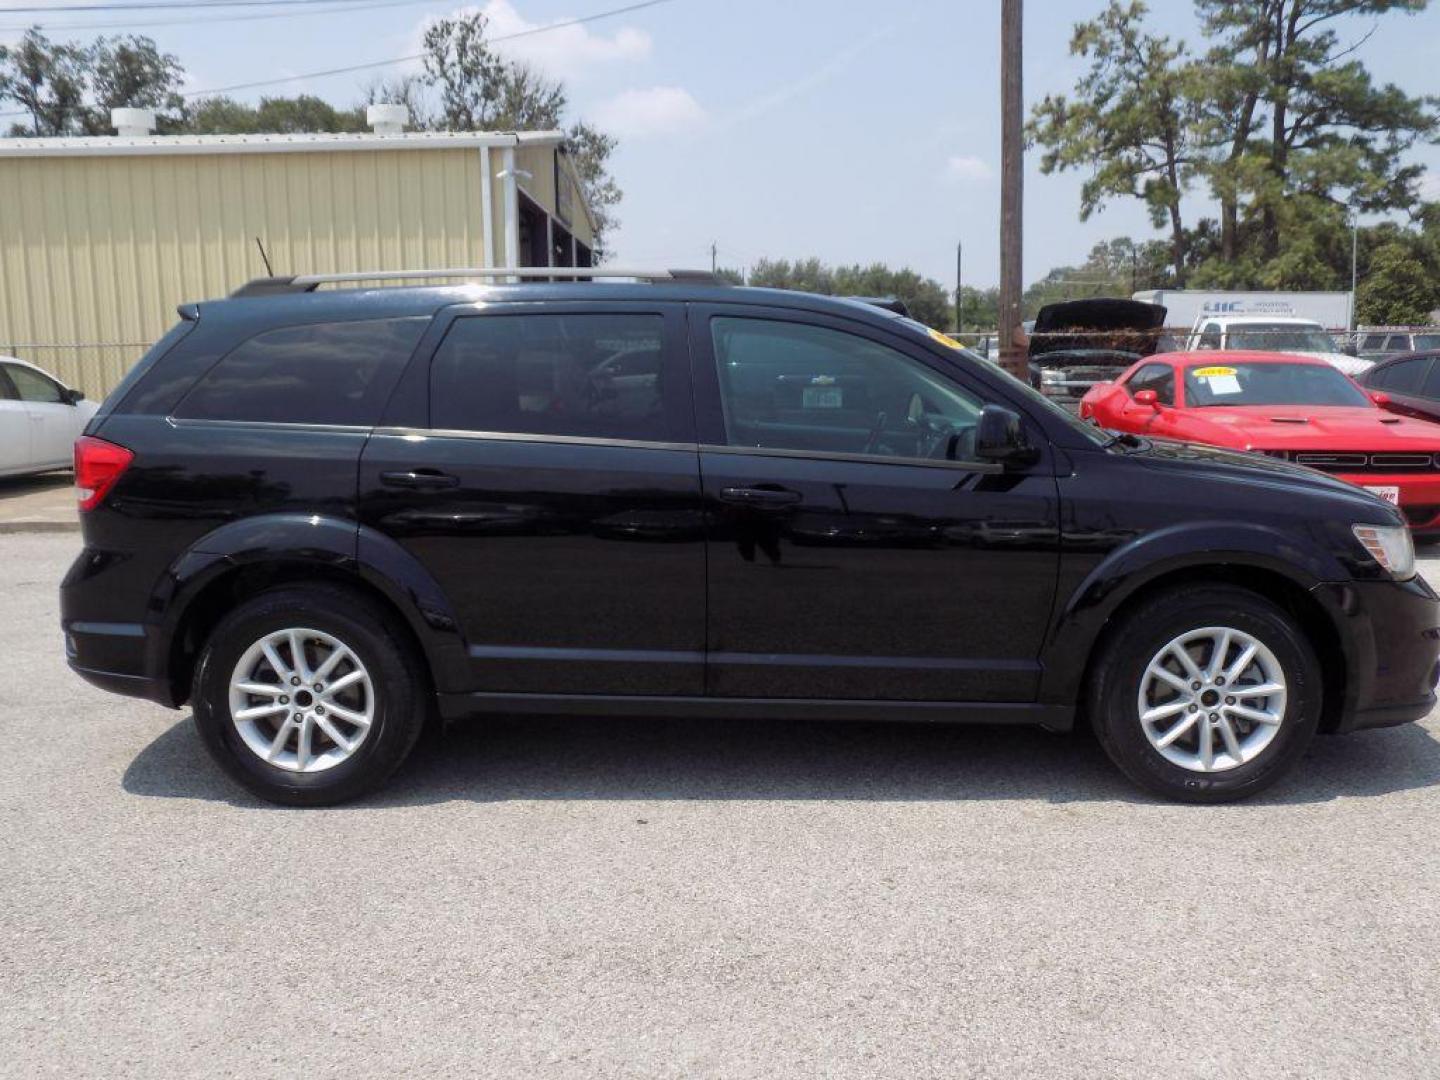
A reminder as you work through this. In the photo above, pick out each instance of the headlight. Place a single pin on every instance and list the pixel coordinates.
(1390, 546)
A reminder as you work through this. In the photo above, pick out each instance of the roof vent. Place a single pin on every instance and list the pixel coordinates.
(387, 119)
(133, 122)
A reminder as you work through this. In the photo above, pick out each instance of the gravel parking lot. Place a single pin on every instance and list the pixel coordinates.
(679, 899)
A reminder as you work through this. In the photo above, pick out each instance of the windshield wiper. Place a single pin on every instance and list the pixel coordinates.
(1124, 438)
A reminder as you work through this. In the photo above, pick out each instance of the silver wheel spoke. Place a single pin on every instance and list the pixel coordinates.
(1182, 728)
(278, 721)
(336, 655)
(281, 738)
(1217, 658)
(324, 724)
(341, 683)
(275, 662)
(1253, 715)
(258, 688)
(1187, 662)
(1232, 744)
(1243, 661)
(1263, 690)
(1160, 712)
(1207, 747)
(257, 711)
(1168, 676)
(349, 716)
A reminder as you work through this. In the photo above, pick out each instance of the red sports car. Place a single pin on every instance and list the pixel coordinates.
(1288, 407)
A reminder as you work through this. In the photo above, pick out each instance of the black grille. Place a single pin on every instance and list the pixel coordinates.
(1359, 461)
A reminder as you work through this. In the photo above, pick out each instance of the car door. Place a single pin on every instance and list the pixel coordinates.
(15, 434)
(542, 467)
(855, 549)
(1408, 385)
(52, 434)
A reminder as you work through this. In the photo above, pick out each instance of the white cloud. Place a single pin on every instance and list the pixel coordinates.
(562, 53)
(967, 168)
(658, 111)
(1430, 186)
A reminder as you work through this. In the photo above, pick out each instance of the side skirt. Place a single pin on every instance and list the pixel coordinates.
(1050, 717)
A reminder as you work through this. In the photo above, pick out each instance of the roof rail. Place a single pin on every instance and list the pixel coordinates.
(300, 283)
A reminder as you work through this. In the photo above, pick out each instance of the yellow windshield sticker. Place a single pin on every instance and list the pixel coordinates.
(945, 339)
(1215, 372)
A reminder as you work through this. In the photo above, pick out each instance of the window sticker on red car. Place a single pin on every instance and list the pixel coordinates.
(1219, 380)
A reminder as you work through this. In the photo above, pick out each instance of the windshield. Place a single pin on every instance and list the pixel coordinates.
(1279, 337)
(1039, 400)
(1239, 383)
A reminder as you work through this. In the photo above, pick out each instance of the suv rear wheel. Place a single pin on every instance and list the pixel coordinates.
(1206, 695)
(304, 696)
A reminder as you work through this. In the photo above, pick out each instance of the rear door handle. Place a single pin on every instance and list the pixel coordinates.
(760, 496)
(420, 478)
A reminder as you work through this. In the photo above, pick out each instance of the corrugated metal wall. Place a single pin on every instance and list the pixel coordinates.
(95, 252)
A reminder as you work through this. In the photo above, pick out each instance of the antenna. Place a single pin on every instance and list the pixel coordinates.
(264, 258)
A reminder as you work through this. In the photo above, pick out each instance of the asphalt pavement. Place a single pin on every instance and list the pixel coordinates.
(597, 898)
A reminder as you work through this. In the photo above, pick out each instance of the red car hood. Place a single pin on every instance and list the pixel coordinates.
(1309, 427)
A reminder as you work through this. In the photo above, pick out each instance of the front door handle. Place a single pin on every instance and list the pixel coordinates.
(760, 496)
(419, 478)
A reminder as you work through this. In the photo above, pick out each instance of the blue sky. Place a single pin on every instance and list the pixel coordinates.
(852, 131)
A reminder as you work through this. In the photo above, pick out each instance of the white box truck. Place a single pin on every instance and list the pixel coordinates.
(1186, 307)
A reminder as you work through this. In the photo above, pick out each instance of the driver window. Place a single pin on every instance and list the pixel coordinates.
(793, 386)
(1210, 337)
(1157, 377)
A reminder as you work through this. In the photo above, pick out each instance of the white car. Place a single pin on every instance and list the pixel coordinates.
(40, 419)
(1273, 333)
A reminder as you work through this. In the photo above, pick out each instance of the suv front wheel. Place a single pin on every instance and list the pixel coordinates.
(1206, 695)
(304, 696)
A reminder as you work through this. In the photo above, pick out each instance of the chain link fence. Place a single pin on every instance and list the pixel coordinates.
(95, 367)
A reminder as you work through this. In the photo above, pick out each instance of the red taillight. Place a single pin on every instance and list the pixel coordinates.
(98, 464)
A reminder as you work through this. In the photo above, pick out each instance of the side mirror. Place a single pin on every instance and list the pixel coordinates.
(999, 436)
(1148, 397)
(72, 397)
(1380, 398)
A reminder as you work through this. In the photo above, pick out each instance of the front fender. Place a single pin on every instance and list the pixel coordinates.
(334, 547)
(1082, 615)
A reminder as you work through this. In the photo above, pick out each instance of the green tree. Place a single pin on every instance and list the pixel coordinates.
(46, 79)
(130, 72)
(273, 116)
(1130, 122)
(926, 298)
(729, 275)
(981, 310)
(1397, 290)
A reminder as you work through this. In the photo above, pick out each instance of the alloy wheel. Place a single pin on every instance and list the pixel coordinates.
(1212, 699)
(301, 700)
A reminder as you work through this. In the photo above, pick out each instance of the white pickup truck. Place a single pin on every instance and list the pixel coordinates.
(1273, 333)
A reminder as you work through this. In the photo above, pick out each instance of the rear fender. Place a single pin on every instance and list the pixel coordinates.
(335, 548)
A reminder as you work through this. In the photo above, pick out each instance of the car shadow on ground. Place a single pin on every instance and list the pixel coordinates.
(502, 759)
(14, 486)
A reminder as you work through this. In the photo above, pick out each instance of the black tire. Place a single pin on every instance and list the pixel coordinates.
(396, 678)
(1116, 681)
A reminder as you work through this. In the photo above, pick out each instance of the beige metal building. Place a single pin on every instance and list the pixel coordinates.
(101, 238)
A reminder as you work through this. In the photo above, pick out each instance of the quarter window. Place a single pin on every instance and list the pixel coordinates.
(1210, 337)
(323, 373)
(793, 386)
(32, 386)
(586, 375)
(1406, 377)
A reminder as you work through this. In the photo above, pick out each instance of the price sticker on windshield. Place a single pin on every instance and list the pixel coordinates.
(945, 339)
(1219, 380)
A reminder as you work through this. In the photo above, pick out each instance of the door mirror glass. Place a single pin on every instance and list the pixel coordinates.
(999, 436)
(1148, 398)
(71, 396)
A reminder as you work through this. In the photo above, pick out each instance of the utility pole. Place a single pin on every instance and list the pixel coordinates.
(959, 287)
(714, 252)
(1012, 187)
(1354, 247)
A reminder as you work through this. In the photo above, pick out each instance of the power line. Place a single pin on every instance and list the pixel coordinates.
(398, 59)
(346, 6)
(163, 5)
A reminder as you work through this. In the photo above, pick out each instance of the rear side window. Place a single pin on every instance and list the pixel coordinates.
(32, 386)
(586, 375)
(323, 373)
(1405, 377)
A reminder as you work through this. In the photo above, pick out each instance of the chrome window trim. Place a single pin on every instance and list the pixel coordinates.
(989, 468)
(530, 437)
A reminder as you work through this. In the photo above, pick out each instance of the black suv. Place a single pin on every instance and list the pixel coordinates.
(322, 517)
